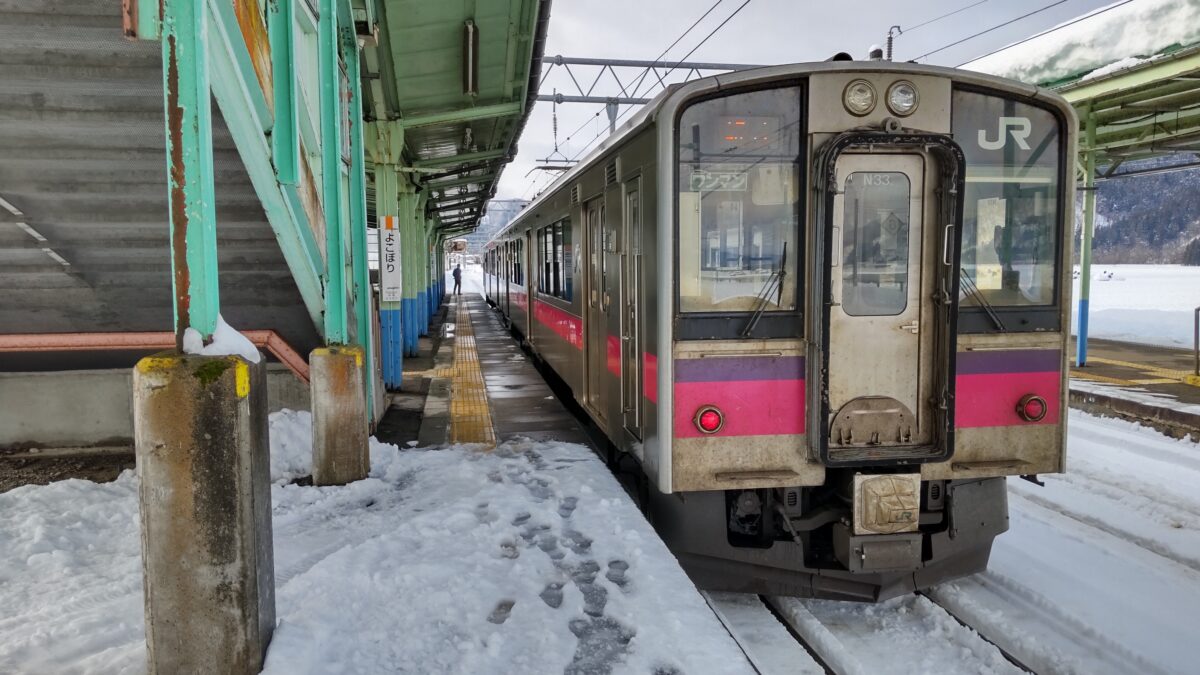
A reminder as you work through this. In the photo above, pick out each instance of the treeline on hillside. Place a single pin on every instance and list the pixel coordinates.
(1148, 219)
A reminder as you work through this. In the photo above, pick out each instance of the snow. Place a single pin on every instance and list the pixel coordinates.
(762, 637)
(1149, 304)
(1127, 62)
(901, 636)
(1141, 28)
(1100, 570)
(527, 559)
(226, 342)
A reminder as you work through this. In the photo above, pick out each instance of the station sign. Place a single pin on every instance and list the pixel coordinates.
(390, 288)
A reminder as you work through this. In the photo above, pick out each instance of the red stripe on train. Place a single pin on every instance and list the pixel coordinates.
(990, 399)
(751, 407)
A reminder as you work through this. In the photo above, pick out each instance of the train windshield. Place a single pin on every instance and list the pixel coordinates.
(1011, 211)
(739, 186)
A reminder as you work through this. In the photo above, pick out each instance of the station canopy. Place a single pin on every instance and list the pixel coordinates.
(1130, 69)
(458, 78)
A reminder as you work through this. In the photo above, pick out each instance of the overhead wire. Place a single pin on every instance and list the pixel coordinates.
(1058, 27)
(669, 71)
(996, 27)
(939, 18)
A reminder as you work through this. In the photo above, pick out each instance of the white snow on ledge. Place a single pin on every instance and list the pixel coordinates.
(226, 342)
(1106, 37)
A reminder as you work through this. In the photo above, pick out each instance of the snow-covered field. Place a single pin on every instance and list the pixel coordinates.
(1149, 304)
(528, 559)
(531, 559)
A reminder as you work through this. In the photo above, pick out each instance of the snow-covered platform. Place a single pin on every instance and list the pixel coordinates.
(529, 558)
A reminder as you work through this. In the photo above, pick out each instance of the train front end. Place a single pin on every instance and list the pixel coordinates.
(868, 323)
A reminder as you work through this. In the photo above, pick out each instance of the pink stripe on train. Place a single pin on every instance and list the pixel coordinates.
(759, 396)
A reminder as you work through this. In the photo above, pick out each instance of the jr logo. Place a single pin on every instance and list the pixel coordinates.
(1019, 127)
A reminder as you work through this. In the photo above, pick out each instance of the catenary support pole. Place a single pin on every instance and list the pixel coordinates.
(1089, 218)
(190, 188)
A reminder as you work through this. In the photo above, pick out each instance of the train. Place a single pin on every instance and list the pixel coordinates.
(822, 307)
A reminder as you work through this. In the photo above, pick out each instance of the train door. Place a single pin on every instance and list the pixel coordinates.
(879, 325)
(631, 350)
(596, 319)
(528, 250)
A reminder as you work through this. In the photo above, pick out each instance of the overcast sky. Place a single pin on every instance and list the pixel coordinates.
(764, 32)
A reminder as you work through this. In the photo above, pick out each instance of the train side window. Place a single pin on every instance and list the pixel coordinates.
(562, 259)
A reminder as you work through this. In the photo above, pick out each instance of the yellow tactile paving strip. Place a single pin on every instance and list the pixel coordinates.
(1156, 375)
(470, 418)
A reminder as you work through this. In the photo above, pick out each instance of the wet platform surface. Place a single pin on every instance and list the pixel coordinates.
(486, 389)
(1163, 371)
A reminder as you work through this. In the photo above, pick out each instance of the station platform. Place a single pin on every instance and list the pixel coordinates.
(483, 389)
(1142, 383)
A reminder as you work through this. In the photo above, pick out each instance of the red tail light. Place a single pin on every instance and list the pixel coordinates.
(709, 419)
(1032, 408)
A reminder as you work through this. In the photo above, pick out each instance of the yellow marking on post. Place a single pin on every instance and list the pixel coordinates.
(241, 378)
(153, 363)
(470, 416)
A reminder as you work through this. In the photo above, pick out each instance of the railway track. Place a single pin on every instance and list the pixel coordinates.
(912, 634)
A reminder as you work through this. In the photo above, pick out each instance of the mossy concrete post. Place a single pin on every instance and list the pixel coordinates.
(204, 465)
(341, 450)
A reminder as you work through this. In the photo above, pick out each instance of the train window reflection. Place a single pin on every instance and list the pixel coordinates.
(1011, 214)
(738, 194)
(875, 243)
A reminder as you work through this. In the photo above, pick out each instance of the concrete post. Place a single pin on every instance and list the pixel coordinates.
(203, 460)
(341, 450)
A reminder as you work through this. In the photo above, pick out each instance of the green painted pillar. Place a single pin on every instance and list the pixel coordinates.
(190, 189)
(330, 76)
(1085, 255)
(363, 305)
(410, 205)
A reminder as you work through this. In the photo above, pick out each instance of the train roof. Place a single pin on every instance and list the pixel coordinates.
(675, 94)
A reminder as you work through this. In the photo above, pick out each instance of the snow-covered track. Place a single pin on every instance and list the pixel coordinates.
(910, 634)
(768, 645)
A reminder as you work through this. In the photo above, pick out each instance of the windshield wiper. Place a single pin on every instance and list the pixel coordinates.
(773, 284)
(968, 286)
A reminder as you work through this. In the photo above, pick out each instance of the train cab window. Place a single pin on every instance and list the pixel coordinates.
(875, 249)
(1012, 213)
(738, 202)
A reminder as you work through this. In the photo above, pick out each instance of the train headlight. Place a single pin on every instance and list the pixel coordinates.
(709, 419)
(859, 97)
(1032, 408)
(902, 98)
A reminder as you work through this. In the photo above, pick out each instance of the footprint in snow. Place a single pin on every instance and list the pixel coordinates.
(500, 614)
(567, 506)
(616, 573)
(602, 642)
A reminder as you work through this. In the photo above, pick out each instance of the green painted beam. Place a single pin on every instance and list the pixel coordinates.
(330, 75)
(190, 183)
(285, 136)
(452, 160)
(242, 106)
(463, 115)
(456, 182)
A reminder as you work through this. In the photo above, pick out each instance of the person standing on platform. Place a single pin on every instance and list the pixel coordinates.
(457, 279)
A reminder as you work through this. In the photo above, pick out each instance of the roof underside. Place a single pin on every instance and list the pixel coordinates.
(455, 142)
